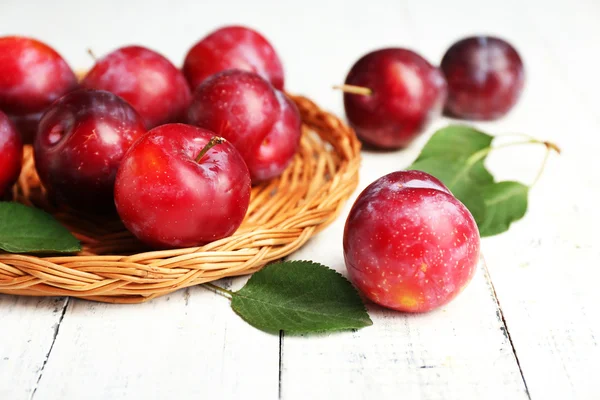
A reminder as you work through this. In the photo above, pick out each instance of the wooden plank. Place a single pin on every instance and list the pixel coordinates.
(186, 345)
(547, 288)
(460, 351)
(28, 328)
(544, 270)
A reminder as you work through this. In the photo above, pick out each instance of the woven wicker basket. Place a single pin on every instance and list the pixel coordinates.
(283, 214)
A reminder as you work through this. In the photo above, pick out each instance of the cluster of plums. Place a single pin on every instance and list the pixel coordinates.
(392, 94)
(409, 244)
(176, 151)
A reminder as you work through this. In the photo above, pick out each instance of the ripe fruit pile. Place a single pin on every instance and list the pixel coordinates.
(175, 152)
(131, 137)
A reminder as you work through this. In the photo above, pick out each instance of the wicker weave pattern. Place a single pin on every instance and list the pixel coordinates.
(284, 213)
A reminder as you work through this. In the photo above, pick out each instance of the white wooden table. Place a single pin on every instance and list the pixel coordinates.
(528, 325)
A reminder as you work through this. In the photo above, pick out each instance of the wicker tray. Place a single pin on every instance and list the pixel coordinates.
(283, 214)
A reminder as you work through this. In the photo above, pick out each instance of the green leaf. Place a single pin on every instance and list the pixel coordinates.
(456, 155)
(505, 203)
(456, 142)
(300, 297)
(29, 230)
(463, 178)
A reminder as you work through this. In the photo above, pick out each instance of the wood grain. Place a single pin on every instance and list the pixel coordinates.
(186, 345)
(28, 330)
(461, 351)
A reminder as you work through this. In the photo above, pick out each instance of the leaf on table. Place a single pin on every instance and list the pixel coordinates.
(29, 230)
(464, 180)
(300, 297)
(505, 202)
(458, 143)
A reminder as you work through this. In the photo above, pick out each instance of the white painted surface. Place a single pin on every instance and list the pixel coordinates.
(186, 345)
(457, 352)
(28, 327)
(545, 270)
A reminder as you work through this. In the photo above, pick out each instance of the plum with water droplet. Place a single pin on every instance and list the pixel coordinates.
(182, 186)
(81, 141)
(261, 121)
(409, 244)
(402, 93)
(147, 80)
(233, 47)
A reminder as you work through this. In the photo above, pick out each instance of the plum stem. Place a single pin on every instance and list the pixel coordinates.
(91, 53)
(219, 289)
(364, 91)
(215, 140)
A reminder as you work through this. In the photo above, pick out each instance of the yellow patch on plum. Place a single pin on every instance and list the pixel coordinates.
(408, 301)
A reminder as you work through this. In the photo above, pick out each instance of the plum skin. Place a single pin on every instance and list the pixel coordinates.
(11, 151)
(147, 80)
(32, 76)
(233, 47)
(168, 199)
(80, 143)
(485, 78)
(410, 245)
(261, 122)
(407, 94)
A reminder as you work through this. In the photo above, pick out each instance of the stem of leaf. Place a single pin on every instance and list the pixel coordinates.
(219, 290)
(518, 134)
(484, 152)
(549, 148)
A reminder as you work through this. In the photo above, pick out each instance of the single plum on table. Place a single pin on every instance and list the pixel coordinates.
(147, 80)
(233, 47)
(398, 94)
(409, 244)
(81, 141)
(32, 76)
(485, 78)
(261, 122)
(11, 155)
(182, 186)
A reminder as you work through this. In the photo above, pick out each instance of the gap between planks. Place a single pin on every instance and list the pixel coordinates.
(281, 335)
(56, 331)
(501, 318)
(500, 313)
